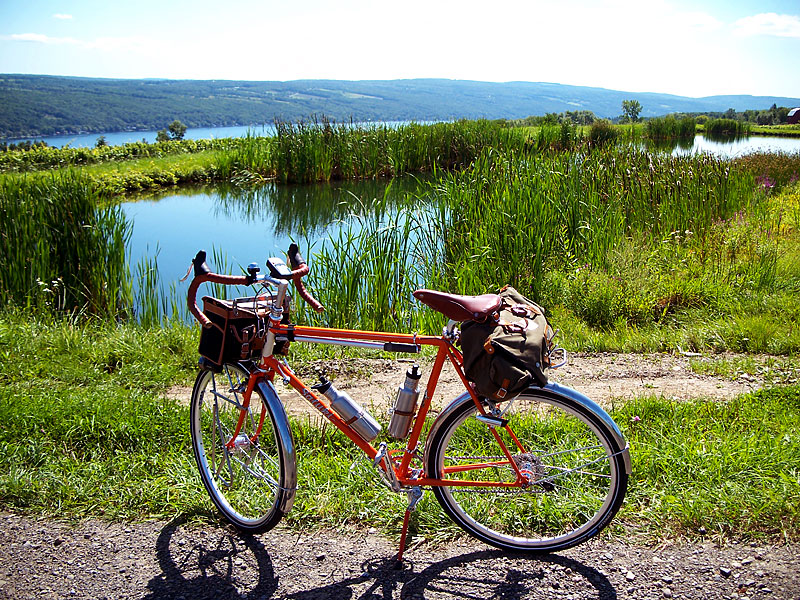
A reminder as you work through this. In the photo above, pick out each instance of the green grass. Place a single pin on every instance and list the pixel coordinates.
(85, 430)
(730, 467)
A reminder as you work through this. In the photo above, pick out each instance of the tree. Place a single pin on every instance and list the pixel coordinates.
(174, 131)
(101, 142)
(631, 110)
(177, 130)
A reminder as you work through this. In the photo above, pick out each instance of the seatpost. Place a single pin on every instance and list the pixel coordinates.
(275, 316)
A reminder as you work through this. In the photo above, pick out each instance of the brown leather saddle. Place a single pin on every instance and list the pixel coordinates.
(460, 308)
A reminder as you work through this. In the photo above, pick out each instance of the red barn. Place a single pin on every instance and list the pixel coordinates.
(793, 116)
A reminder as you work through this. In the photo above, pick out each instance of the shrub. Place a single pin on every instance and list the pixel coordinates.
(602, 132)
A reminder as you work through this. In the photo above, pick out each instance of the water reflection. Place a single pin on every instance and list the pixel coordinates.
(732, 147)
(670, 145)
(311, 209)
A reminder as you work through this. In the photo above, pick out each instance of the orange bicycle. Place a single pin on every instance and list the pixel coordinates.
(540, 472)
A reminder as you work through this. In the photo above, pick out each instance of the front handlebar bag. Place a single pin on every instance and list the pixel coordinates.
(238, 328)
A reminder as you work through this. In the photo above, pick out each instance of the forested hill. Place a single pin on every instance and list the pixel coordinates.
(32, 105)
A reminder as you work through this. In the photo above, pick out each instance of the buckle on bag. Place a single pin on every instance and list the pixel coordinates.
(503, 391)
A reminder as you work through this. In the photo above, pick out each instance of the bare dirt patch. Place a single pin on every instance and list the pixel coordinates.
(603, 377)
(47, 558)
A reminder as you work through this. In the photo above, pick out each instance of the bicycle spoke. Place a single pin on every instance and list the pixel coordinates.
(244, 477)
(572, 481)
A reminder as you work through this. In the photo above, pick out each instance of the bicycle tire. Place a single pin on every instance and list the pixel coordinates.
(573, 458)
(250, 481)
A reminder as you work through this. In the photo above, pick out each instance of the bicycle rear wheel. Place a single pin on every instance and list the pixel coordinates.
(244, 472)
(572, 459)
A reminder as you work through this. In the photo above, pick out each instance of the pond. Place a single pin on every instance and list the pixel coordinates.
(237, 227)
(738, 147)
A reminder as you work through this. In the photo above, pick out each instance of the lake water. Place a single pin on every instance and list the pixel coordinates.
(118, 138)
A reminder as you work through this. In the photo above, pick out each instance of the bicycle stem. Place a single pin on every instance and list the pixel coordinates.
(275, 316)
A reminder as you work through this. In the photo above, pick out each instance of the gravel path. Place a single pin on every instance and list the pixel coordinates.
(41, 558)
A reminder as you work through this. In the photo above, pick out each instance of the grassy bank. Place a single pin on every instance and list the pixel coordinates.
(85, 430)
(41, 158)
(629, 252)
(777, 130)
(299, 153)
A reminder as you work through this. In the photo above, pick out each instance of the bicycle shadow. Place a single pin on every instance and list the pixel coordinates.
(230, 565)
(236, 566)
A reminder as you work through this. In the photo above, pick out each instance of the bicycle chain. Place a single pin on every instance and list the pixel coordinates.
(532, 489)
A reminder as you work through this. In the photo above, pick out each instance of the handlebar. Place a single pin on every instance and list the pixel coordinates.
(202, 274)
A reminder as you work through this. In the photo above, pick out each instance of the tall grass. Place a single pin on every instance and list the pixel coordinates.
(365, 272)
(603, 133)
(664, 128)
(325, 151)
(727, 128)
(509, 216)
(773, 170)
(58, 249)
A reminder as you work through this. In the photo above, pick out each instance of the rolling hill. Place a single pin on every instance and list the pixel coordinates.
(32, 105)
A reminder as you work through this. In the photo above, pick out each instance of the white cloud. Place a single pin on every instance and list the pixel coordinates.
(104, 43)
(62, 16)
(769, 24)
(39, 38)
(700, 20)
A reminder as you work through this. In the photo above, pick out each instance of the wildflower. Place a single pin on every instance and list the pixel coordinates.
(635, 419)
(765, 182)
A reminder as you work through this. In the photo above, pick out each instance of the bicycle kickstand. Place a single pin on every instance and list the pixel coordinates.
(414, 496)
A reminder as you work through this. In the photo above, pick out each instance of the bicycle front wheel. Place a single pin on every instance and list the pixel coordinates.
(239, 449)
(572, 465)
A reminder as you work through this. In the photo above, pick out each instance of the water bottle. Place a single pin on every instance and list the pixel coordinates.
(405, 405)
(350, 410)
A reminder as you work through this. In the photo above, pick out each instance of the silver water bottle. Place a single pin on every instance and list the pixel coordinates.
(350, 410)
(405, 406)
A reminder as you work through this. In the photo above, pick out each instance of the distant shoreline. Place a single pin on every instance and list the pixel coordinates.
(36, 106)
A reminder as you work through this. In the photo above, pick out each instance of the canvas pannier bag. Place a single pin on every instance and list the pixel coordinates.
(508, 352)
(238, 328)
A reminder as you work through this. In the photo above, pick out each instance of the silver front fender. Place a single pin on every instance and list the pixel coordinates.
(285, 441)
(551, 390)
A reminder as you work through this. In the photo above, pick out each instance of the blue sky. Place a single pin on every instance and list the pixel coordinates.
(691, 48)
